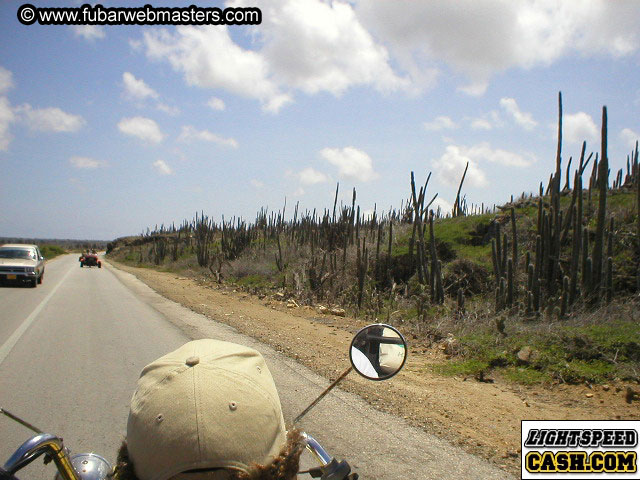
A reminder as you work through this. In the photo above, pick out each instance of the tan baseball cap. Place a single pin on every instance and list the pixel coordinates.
(209, 404)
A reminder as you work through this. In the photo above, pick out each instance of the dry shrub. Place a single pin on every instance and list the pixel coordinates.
(465, 274)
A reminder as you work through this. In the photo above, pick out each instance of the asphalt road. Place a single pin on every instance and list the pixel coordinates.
(71, 351)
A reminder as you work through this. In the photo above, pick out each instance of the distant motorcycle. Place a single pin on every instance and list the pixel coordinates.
(377, 352)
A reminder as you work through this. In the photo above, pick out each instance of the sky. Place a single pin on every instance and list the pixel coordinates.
(107, 130)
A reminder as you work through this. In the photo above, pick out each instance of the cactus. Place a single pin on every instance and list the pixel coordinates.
(514, 240)
(362, 265)
(439, 283)
(496, 262)
(609, 280)
(457, 208)
(575, 256)
(503, 257)
(530, 273)
(588, 275)
(279, 261)
(510, 288)
(500, 296)
(461, 309)
(565, 297)
(603, 180)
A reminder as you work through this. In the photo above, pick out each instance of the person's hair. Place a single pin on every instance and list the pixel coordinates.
(283, 467)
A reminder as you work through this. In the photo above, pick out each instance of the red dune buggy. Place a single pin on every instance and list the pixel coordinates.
(90, 259)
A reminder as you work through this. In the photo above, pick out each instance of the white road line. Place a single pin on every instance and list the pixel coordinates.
(13, 339)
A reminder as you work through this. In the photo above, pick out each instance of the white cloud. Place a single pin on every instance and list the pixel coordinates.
(6, 80)
(162, 167)
(6, 119)
(216, 104)
(88, 32)
(450, 167)
(353, 164)
(209, 58)
(480, 39)
(488, 121)
(256, 183)
(440, 123)
(483, 151)
(525, 120)
(445, 207)
(50, 119)
(7, 116)
(317, 46)
(476, 89)
(85, 162)
(173, 111)
(629, 137)
(136, 88)
(578, 127)
(189, 133)
(481, 124)
(310, 176)
(307, 45)
(143, 128)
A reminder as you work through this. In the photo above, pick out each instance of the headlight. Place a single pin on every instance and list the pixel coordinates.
(30, 269)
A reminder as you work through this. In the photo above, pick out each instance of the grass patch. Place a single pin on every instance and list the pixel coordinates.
(472, 366)
(526, 376)
(253, 281)
(569, 354)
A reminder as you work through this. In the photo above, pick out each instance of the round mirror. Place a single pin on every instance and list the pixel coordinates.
(378, 351)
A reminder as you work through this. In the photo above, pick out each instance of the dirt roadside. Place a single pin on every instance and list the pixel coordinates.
(483, 418)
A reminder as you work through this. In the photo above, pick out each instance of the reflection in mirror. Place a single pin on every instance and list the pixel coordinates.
(378, 352)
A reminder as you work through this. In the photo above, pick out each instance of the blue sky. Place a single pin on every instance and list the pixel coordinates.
(108, 130)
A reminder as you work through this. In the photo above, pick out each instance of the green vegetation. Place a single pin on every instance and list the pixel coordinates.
(51, 251)
(593, 353)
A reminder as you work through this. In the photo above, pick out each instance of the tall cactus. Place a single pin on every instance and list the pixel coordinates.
(603, 181)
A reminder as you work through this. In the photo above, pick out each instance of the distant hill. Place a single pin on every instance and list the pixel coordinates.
(66, 243)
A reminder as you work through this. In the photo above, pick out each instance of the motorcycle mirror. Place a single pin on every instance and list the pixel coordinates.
(378, 351)
(387, 352)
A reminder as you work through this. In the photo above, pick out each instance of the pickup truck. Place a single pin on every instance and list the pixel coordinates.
(20, 262)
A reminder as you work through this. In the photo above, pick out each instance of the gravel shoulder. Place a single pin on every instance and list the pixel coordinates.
(481, 417)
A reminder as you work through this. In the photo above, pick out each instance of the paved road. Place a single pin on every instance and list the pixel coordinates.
(71, 351)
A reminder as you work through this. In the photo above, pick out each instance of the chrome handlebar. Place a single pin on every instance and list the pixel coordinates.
(316, 449)
(331, 468)
(36, 446)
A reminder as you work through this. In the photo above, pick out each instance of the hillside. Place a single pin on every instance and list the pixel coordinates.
(541, 289)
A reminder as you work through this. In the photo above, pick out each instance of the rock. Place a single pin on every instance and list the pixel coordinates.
(630, 395)
(589, 395)
(526, 355)
(338, 312)
(292, 304)
(450, 345)
(606, 388)
(322, 309)
(278, 295)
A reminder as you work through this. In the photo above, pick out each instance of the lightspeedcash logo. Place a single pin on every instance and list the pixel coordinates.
(580, 449)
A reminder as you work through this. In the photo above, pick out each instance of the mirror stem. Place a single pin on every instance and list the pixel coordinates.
(20, 421)
(322, 395)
